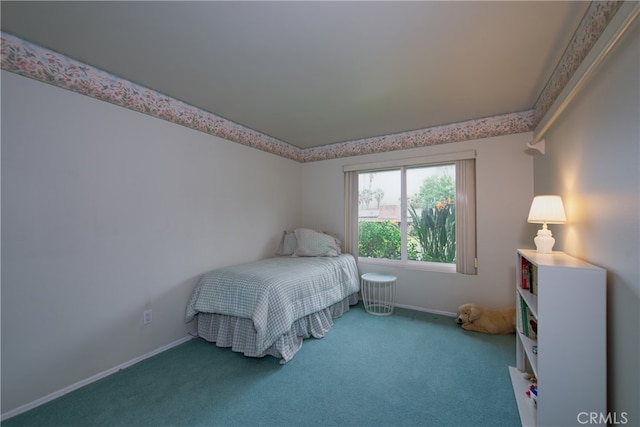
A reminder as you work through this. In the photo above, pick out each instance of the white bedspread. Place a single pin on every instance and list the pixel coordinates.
(275, 292)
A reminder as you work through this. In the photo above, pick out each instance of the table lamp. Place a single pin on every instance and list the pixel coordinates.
(545, 210)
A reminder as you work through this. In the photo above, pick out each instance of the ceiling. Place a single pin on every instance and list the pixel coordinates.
(317, 73)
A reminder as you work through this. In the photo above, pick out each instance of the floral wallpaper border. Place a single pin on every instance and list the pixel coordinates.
(33, 61)
(30, 60)
(463, 131)
(593, 24)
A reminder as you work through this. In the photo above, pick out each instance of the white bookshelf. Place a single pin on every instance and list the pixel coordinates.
(569, 307)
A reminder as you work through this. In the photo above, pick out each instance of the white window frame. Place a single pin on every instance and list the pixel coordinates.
(466, 262)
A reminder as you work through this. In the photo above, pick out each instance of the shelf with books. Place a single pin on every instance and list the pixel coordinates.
(528, 275)
(530, 299)
(568, 374)
(527, 321)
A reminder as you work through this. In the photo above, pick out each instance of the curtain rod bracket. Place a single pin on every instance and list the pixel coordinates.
(538, 146)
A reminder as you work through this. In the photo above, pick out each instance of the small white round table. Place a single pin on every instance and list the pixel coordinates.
(378, 293)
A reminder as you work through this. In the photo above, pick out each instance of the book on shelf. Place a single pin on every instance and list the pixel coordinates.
(532, 330)
(528, 276)
(522, 317)
(524, 273)
(533, 279)
(519, 318)
(526, 322)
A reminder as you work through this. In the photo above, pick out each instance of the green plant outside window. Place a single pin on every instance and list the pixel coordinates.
(430, 228)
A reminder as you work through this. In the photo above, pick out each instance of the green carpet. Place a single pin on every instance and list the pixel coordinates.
(408, 369)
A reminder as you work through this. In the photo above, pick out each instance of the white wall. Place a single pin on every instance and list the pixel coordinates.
(592, 160)
(504, 192)
(106, 212)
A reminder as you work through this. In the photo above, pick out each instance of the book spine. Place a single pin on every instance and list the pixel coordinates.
(519, 303)
(533, 287)
(532, 324)
(525, 318)
(524, 273)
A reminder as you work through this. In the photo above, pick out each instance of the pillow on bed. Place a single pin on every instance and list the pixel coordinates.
(315, 243)
(287, 244)
(338, 239)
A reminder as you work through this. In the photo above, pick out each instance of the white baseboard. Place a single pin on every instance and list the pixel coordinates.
(426, 310)
(87, 381)
(101, 375)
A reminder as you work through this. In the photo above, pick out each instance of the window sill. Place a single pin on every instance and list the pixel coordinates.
(410, 265)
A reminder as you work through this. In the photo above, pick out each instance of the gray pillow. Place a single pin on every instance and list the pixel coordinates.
(315, 243)
(287, 244)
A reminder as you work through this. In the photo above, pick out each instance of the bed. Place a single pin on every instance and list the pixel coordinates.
(268, 307)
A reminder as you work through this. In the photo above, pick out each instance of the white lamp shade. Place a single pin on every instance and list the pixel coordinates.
(547, 209)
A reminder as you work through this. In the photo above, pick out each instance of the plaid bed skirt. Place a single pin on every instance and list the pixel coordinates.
(240, 335)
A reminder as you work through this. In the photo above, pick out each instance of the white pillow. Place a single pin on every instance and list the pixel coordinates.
(338, 239)
(314, 243)
(287, 244)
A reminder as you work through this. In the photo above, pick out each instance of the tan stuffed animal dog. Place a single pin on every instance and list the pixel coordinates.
(476, 318)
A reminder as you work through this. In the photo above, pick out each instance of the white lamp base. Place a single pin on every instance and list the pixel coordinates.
(544, 240)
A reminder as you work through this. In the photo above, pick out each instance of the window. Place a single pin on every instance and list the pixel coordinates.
(420, 212)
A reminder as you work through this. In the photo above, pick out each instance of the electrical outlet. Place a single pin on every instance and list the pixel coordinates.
(147, 316)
